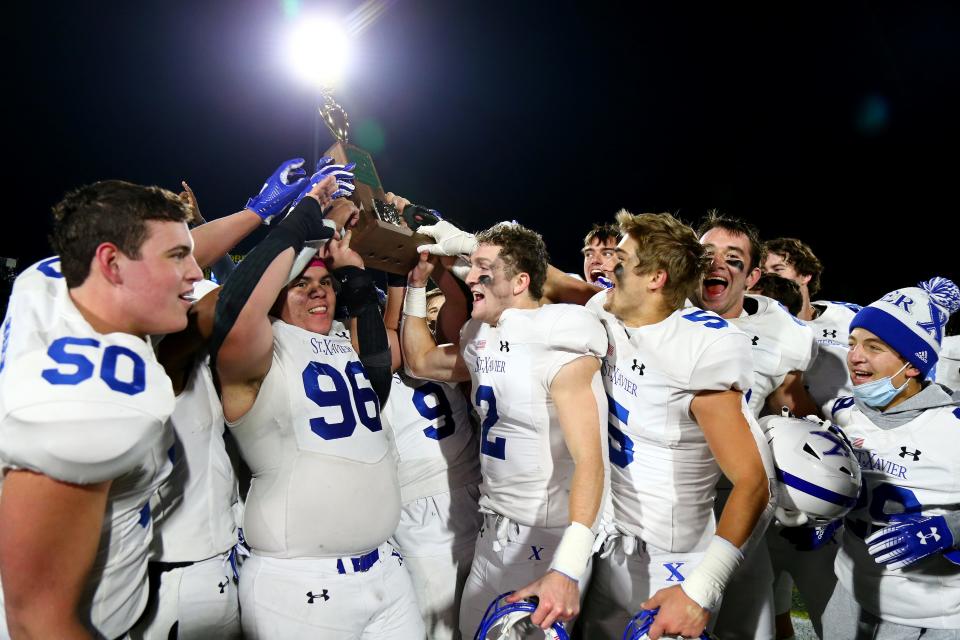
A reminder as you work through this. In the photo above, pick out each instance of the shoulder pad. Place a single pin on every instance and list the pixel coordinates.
(573, 328)
(87, 443)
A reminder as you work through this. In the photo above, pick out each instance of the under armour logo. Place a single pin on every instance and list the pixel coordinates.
(504, 346)
(223, 585)
(830, 334)
(915, 453)
(342, 334)
(674, 569)
(536, 552)
(638, 367)
(754, 340)
(311, 596)
(933, 534)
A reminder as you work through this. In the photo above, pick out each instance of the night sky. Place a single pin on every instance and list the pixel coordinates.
(837, 126)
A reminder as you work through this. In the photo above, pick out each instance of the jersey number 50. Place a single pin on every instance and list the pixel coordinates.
(74, 368)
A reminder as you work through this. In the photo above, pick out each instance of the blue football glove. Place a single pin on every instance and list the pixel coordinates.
(810, 538)
(606, 283)
(343, 173)
(279, 189)
(910, 537)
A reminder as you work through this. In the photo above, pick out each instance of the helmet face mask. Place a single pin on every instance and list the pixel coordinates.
(817, 470)
(639, 627)
(502, 616)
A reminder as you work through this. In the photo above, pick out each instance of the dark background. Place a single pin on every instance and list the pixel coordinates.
(837, 125)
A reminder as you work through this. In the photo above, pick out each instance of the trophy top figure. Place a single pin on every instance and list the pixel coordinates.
(335, 117)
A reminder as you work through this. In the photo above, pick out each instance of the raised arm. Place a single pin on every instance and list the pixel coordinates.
(242, 343)
(359, 294)
(561, 287)
(214, 239)
(422, 357)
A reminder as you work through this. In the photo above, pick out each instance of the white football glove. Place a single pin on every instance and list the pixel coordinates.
(450, 241)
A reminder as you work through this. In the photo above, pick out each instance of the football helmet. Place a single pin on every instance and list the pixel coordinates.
(501, 616)
(816, 468)
(640, 624)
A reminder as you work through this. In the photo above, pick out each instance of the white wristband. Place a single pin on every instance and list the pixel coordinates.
(415, 302)
(706, 583)
(574, 551)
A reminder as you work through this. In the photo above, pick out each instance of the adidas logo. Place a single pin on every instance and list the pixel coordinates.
(922, 355)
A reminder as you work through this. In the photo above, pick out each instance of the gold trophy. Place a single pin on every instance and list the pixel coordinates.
(378, 237)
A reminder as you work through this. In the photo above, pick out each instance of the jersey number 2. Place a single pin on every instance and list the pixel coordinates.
(496, 448)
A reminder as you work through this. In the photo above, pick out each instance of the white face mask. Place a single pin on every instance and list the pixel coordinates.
(879, 393)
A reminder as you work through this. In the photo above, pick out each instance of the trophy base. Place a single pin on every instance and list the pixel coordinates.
(382, 245)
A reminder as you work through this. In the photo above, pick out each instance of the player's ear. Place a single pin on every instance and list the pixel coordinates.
(912, 372)
(107, 260)
(658, 280)
(521, 282)
(753, 276)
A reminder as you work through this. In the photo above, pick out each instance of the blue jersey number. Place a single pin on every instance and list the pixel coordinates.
(708, 319)
(48, 269)
(497, 448)
(439, 412)
(340, 397)
(73, 366)
(621, 446)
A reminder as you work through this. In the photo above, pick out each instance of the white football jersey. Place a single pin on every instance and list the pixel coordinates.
(663, 474)
(827, 377)
(524, 459)
(779, 344)
(435, 442)
(948, 366)
(912, 467)
(195, 508)
(84, 407)
(324, 478)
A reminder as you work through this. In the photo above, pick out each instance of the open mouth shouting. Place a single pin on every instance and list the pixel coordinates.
(714, 286)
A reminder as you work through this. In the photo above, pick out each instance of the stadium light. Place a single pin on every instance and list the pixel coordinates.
(318, 51)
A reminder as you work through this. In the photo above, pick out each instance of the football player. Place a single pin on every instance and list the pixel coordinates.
(782, 348)
(827, 376)
(439, 471)
(83, 406)
(193, 590)
(598, 248)
(675, 379)
(809, 557)
(536, 385)
(899, 564)
(301, 394)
